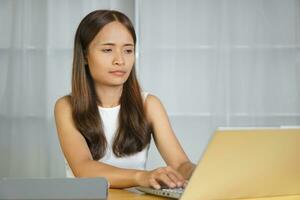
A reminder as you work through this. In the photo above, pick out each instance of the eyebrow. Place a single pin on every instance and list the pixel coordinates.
(113, 44)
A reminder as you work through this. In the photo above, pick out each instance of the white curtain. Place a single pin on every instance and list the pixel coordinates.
(35, 60)
(212, 63)
(221, 63)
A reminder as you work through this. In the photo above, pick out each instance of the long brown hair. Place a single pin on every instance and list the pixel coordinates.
(133, 134)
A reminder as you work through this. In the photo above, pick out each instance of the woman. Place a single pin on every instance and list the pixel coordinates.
(105, 124)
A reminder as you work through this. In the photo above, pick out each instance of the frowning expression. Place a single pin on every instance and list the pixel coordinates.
(110, 55)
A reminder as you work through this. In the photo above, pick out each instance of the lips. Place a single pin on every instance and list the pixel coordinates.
(118, 72)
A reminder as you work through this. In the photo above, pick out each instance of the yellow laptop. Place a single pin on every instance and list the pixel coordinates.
(245, 163)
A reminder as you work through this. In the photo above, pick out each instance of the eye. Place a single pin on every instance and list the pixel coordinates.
(128, 51)
(106, 50)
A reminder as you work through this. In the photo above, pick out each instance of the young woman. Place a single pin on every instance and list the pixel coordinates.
(106, 123)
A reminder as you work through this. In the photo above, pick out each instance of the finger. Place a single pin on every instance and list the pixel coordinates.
(154, 184)
(175, 179)
(185, 184)
(178, 175)
(163, 177)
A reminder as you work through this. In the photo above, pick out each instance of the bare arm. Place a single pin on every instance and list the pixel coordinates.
(79, 158)
(186, 169)
(78, 155)
(165, 139)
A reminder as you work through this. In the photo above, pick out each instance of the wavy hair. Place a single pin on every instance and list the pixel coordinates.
(133, 133)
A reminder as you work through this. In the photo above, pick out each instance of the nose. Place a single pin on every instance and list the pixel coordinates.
(118, 58)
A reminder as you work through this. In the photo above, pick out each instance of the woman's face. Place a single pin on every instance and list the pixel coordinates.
(110, 55)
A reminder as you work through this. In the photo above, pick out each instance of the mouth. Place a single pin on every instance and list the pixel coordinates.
(118, 72)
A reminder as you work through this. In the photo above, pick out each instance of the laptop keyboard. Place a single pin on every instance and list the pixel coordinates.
(166, 192)
(174, 190)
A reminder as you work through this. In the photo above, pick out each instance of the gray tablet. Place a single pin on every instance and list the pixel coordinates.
(53, 188)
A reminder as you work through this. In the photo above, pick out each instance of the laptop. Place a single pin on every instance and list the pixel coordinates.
(244, 163)
(53, 188)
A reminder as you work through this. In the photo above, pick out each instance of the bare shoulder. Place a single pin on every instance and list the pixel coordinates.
(152, 102)
(63, 104)
(154, 108)
(63, 116)
(63, 109)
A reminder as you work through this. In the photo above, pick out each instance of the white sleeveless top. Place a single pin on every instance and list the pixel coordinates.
(109, 117)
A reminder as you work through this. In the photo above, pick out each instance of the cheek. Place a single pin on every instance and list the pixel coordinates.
(98, 60)
(97, 70)
(130, 61)
(97, 64)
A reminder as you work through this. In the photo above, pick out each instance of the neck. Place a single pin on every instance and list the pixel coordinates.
(109, 95)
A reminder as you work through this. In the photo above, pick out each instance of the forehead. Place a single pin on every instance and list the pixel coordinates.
(113, 32)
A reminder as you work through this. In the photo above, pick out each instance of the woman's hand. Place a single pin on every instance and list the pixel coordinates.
(164, 176)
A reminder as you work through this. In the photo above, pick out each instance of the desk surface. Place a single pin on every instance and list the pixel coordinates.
(115, 194)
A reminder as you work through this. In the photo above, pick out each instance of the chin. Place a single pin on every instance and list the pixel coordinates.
(112, 82)
(117, 83)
